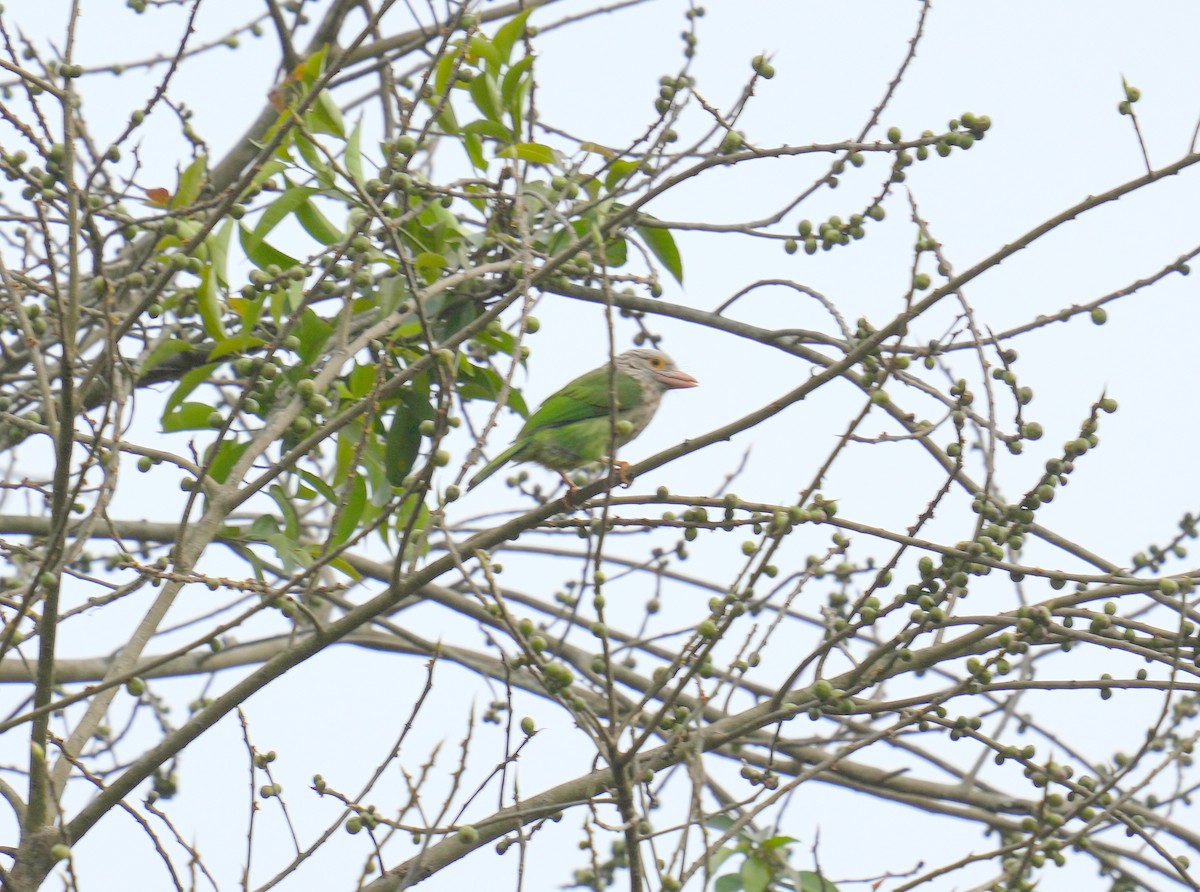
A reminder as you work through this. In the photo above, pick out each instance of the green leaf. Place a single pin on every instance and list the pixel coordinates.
(486, 93)
(208, 299)
(508, 34)
(481, 382)
(187, 417)
(448, 121)
(404, 516)
(249, 311)
(228, 452)
(290, 553)
(352, 506)
(318, 484)
(314, 159)
(313, 332)
(479, 47)
(270, 169)
(317, 224)
(442, 73)
(814, 882)
(345, 451)
(310, 69)
(616, 252)
(217, 243)
(261, 253)
(756, 876)
(163, 351)
(287, 203)
(430, 265)
(776, 841)
(730, 882)
(719, 857)
(260, 528)
(188, 382)
(390, 292)
(513, 88)
(354, 155)
(190, 181)
(238, 343)
(662, 245)
(286, 509)
(375, 463)
(474, 147)
(404, 436)
(533, 152)
(340, 563)
(619, 171)
(490, 129)
(361, 380)
(324, 116)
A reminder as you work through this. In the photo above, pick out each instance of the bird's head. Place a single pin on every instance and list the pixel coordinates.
(656, 367)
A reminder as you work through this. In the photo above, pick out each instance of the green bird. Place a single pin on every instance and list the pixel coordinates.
(573, 427)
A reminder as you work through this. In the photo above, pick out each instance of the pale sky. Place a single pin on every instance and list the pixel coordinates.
(1049, 75)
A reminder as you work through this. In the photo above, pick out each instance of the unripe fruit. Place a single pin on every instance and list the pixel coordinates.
(467, 835)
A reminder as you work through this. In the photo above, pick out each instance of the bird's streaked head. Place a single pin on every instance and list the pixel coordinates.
(654, 366)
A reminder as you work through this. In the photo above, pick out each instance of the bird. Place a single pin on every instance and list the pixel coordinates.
(574, 426)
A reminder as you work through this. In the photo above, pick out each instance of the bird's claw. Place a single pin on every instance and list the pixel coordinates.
(572, 490)
(622, 469)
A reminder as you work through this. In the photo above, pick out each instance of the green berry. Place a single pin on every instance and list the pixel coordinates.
(467, 835)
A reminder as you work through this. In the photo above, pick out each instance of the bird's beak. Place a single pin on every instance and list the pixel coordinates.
(675, 379)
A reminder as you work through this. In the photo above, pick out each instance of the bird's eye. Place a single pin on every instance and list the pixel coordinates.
(657, 362)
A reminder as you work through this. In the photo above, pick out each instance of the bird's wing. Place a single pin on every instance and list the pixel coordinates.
(585, 397)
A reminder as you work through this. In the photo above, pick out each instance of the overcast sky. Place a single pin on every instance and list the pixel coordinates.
(1049, 75)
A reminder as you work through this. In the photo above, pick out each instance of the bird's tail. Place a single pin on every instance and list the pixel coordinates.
(494, 465)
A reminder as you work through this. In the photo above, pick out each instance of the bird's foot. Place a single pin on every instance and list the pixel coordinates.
(622, 469)
(572, 490)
